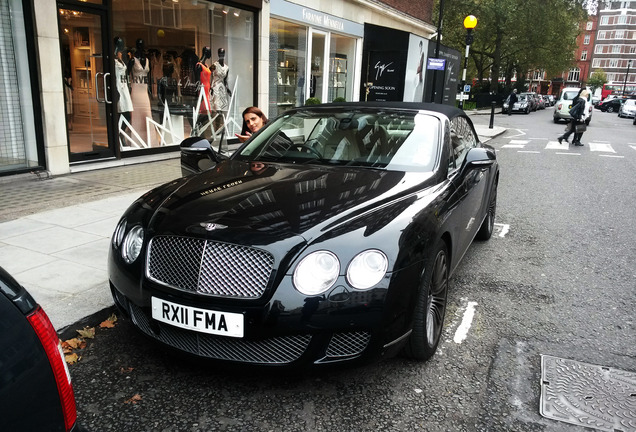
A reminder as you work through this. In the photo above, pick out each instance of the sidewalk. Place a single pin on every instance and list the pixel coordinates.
(54, 233)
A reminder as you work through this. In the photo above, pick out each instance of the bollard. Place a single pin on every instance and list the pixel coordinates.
(492, 113)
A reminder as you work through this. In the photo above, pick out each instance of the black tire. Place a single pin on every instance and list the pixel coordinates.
(587, 122)
(556, 120)
(487, 226)
(610, 109)
(428, 320)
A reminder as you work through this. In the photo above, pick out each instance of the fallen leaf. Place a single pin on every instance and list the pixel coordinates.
(125, 370)
(72, 358)
(87, 332)
(107, 324)
(72, 343)
(133, 400)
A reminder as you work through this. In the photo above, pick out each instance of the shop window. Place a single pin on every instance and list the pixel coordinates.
(187, 66)
(287, 63)
(342, 52)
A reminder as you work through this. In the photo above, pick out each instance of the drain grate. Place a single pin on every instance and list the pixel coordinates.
(588, 395)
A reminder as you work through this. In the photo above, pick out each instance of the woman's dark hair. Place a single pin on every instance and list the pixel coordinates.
(252, 110)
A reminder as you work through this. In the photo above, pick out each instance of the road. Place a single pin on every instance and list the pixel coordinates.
(557, 278)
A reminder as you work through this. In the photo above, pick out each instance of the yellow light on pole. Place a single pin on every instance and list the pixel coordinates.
(470, 22)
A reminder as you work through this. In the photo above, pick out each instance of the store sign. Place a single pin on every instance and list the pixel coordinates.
(387, 76)
(315, 18)
(436, 64)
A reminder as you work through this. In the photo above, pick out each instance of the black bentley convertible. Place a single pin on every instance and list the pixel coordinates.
(329, 236)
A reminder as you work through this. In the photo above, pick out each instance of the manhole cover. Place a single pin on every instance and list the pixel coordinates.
(588, 395)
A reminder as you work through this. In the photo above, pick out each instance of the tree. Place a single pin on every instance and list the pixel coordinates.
(597, 79)
(511, 38)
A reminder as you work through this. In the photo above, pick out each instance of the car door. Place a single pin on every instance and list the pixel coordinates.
(470, 183)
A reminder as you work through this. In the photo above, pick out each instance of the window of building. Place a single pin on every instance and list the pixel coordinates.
(574, 74)
(18, 144)
(616, 49)
(589, 25)
(189, 62)
(596, 63)
(604, 20)
(619, 34)
(287, 64)
(586, 40)
(584, 55)
(632, 49)
(602, 35)
(613, 63)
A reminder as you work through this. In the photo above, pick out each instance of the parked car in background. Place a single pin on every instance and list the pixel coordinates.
(546, 101)
(628, 108)
(522, 105)
(532, 100)
(552, 100)
(540, 102)
(564, 103)
(612, 105)
(596, 100)
(36, 393)
(328, 237)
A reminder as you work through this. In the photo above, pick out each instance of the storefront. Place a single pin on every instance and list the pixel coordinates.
(119, 81)
(312, 55)
(140, 75)
(18, 142)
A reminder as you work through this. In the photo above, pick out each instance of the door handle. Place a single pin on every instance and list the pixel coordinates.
(97, 88)
(106, 88)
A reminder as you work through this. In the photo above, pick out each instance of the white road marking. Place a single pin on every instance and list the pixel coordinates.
(513, 146)
(598, 147)
(521, 133)
(569, 154)
(528, 151)
(554, 145)
(524, 142)
(612, 156)
(462, 331)
(633, 146)
(504, 229)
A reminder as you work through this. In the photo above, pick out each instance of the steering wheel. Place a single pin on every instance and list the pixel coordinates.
(309, 149)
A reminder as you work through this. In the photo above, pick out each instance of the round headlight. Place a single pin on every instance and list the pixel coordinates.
(367, 269)
(316, 273)
(118, 235)
(133, 242)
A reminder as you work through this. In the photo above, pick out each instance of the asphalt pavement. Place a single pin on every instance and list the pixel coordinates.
(55, 232)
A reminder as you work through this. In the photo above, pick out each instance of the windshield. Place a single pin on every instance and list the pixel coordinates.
(393, 140)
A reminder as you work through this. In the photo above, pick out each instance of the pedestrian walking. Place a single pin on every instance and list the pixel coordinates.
(512, 99)
(578, 114)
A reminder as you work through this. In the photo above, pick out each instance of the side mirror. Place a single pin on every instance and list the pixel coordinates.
(479, 157)
(198, 155)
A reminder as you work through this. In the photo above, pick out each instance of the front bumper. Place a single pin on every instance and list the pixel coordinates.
(287, 330)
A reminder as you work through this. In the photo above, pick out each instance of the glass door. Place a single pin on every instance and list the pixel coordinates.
(317, 62)
(86, 92)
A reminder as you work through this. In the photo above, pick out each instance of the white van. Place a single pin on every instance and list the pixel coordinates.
(564, 103)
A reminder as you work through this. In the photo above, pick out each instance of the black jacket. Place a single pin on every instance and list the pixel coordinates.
(578, 108)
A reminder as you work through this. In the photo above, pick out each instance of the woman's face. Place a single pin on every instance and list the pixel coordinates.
(254, 122)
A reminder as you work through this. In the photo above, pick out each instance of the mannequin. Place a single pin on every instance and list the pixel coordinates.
(124, 102)
(68, 98)
(139, 69)
(203, 73)
(156, 66)
(220, 92)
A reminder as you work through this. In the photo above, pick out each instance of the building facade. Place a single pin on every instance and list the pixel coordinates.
(615, 48)
(100, 82)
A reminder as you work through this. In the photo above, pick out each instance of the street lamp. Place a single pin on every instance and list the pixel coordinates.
(629, 63)
(470, 22)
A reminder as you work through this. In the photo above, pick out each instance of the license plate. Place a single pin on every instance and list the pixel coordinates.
(201, 320)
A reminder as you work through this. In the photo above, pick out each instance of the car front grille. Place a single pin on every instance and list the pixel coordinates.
(348, 344)
(277, 350)
(208, 267)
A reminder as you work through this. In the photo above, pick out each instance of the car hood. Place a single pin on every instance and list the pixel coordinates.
(257, 204)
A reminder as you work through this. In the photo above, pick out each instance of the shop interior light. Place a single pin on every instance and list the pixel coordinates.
(225, 9)
(237, 12)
